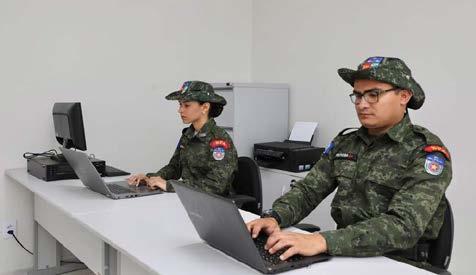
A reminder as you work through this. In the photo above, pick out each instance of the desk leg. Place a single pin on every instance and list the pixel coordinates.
(129, 266)
(110, 260)
(45, 269)
(35, 246)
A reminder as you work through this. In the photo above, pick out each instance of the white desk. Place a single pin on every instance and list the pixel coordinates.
(151, 235)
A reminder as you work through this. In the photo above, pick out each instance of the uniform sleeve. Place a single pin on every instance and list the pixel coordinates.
(220, 176)
(408, 214)
(307, 193)
(221, 171)
(171, 170)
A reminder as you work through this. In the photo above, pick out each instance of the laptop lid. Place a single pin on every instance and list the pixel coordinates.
(85, 170)
(219, 223)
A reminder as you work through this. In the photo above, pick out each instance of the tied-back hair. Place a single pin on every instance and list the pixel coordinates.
(215, 109)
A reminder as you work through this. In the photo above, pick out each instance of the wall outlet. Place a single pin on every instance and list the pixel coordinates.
(7, 226)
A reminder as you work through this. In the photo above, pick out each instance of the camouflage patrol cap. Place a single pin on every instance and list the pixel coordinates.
(196, 91)
(389, 70)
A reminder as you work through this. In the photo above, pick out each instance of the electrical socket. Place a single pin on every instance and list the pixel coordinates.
(7, 226)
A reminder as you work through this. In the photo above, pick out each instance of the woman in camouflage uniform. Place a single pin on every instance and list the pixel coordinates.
(205, 156)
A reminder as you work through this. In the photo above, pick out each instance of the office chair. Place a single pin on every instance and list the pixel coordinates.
(247, 186)
(440, 249)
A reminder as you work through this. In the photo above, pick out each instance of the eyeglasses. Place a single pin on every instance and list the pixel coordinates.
(371, 96)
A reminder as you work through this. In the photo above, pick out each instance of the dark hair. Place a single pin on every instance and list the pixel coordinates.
(215, 109)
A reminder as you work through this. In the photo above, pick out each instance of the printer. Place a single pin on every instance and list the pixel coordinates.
(294, 154)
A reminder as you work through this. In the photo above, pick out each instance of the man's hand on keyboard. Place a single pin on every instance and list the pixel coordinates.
(156, 182)
(296, 243)
(268, 225)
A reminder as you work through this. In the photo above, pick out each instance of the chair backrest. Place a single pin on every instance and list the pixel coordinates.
(440, 249)
(248, 182)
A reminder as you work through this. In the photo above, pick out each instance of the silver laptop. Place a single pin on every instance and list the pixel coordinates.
(90, 177)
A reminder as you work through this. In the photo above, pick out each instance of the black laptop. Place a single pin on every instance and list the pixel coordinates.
(219, 223)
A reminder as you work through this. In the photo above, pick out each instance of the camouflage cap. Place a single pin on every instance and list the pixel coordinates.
(389, 70)
(196, 91)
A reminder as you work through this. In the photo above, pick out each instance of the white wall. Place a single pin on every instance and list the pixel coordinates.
(305, 42)
(119, 58)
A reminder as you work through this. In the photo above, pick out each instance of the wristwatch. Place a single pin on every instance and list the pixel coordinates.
(270, 213)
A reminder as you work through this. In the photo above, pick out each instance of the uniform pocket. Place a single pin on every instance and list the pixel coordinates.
(382, 183)
(387, 176)
(344, 169)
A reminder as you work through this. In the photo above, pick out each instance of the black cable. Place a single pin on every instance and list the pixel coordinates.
(49, 154)
(13, 234)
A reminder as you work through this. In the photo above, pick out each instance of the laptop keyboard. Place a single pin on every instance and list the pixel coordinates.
(118, 189)
(273, 259)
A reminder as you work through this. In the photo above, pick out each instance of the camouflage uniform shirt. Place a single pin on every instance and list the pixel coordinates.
(206, 160)
(389, 190)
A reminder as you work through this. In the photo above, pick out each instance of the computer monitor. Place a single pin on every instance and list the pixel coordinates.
(68, 123)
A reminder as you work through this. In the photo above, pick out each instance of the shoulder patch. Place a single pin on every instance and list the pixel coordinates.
(328, 148)
(215, 143)
(437, 148)
(434, 164)
(218, 153)
(343, 132)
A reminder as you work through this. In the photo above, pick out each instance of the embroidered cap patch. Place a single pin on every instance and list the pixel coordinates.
(371, 62)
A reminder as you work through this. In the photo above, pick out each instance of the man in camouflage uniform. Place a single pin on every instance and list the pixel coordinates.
(390, 175)
(205, 156)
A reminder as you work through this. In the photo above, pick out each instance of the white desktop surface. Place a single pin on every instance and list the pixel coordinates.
(155, 233)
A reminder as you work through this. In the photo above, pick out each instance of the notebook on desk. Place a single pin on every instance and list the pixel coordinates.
(219, 223)
(90, 177)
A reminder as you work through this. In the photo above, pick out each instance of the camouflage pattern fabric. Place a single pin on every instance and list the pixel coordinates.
(389, 70)
(207, 160)
(389, 190)
(196, 91)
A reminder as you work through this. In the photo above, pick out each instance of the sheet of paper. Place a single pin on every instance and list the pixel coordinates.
(303, 131)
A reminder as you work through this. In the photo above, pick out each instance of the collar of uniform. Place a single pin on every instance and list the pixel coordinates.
(399, 131)
(362, 133)
(396, 133)
(203, 133)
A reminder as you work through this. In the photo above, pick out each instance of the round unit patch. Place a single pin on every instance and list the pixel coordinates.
(218, 153)
(434, 164)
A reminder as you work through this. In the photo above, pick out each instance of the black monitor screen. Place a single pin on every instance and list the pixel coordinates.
(68, 122)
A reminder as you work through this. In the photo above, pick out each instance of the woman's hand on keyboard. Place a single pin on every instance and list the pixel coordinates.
(137, 179)
(156, 182)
